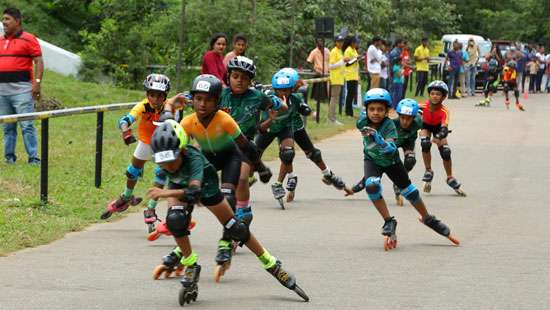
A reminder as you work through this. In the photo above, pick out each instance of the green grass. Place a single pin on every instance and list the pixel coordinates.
(74, 201)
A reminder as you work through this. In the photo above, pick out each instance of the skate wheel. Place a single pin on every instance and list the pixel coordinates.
(290, 196)
(453, 239)
(192, 224)
(181, 297)
(158, 271)
(460, 192)
(150, 228)
(301, 293)
(105, 215)
(399, 200)
(427, 187)
(281, 203)
(219, 271)
(153, 235)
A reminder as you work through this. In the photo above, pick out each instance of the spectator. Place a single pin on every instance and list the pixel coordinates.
(351, 57)
(548, 73)
(405, 61)
(374, 56)
(19, 87)
(395, 54)
(397, 82)
(541, 59)
(384, 66)
(520, 68)
(422, 56)
(336, 70)
(239, 48)
(470, 68)
(533, 68)
(319, 57)
(212, 62)
(454, 57)
(461, 75)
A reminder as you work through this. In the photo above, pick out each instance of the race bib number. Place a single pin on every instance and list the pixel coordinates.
(159, 86)
(165, 156)
(406, 110)
(283, 80)
(203, 86)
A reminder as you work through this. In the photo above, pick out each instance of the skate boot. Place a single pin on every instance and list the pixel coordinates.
(440, 228)
(245, 215)
(150, 218)
(291, 184)
(278, 193)
(482, 103)
(427, 179)
(287, 279)
(170, 264)
(454, 184)
(398, 197)
(190, 288)
(388, 231)
(334, 180)
(252, 180)
(162, 229)
(223, 259)
(120, 205)
(507, 103)
(520, 106)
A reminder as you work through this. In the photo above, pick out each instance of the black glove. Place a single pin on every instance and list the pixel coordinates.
(192, 195)
(443, 133)
(128, 137)
(264, 173)
(304, 109)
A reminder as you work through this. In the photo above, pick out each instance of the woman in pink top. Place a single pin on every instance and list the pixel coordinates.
(212, 62)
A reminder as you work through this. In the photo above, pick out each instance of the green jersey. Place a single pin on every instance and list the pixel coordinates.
(406, 138)
(245, 109)
(373, 151)
(297, 120)
(285, 119)
(194, 167)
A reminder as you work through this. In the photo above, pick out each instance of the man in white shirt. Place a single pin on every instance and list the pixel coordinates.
(374, 57)
(542, 66)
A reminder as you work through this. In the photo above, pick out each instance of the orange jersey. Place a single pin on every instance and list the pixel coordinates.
(145, 114)
(434, 115)
(218, 136)
(508, 74)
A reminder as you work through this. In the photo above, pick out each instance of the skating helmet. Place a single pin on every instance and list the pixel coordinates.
(158, 82)
(407, 107)
(493, 64)
(207, 83)
(377, 94)
(439, 85)
(244, 64)
(168, 139)
(284, 78)
(511, 64)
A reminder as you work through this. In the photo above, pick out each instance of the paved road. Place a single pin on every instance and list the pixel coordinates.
(333, 244)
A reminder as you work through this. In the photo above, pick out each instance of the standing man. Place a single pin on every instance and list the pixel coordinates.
(470, 68)
(320, 67)
(541, 58)
(336, 70)
(422, 57)
(374, 56)
(454, 57)
(18, 86)
(239, 48)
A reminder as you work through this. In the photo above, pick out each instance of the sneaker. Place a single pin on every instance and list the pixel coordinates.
(34, 161)
(338, 123)
(10, 160)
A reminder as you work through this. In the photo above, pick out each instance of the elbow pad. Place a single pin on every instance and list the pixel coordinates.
(276, 102)
(126, 119)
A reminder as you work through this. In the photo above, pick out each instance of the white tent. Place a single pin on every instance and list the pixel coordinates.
(57, 59)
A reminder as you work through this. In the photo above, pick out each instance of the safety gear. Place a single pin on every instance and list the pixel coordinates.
(133, 173)
(286, 154)
(177, 220)
(377, 95)
(511, 64)
(373, 186)
(128, 137)
(167, 141)
(443, 133)
(244, 64)
(237, 230)
(276, 102)
(409, 161)
(411, 194)
(126, 120)
(192, 195)
(315, 155)
(158, 82)
(160, 177)
(425, 144)
(438, 85)
(207, 83)
(407, 107)
(304, 109)
(284, 78)
(264, 172)
(445, 152)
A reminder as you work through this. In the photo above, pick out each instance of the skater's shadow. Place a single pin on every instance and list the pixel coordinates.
(286, 298)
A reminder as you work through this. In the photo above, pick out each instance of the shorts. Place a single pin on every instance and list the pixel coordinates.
(396, 173)
(263, 140)
(210, 195)
(434, 129)
(229, 163)
(143, 151)
(304, 142)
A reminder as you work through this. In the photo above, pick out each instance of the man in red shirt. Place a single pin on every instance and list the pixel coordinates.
(18, 88)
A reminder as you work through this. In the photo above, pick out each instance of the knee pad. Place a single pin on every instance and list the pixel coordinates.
(229, 195)
(315, 155)
(445, 152)
(160, 177)
(373, 187)
(237, 230)
(516, 93)
(133, 173)
(177, 220)
(409, 161)
(411, 194)
(286, 154)
(425, 144)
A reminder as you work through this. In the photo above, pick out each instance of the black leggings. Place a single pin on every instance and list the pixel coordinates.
(304, 142)
(351, 96)
(396, 172)
(229, 162)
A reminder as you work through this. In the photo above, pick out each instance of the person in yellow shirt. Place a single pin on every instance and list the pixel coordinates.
(422, 56)
(351, 58)
(337, 71)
